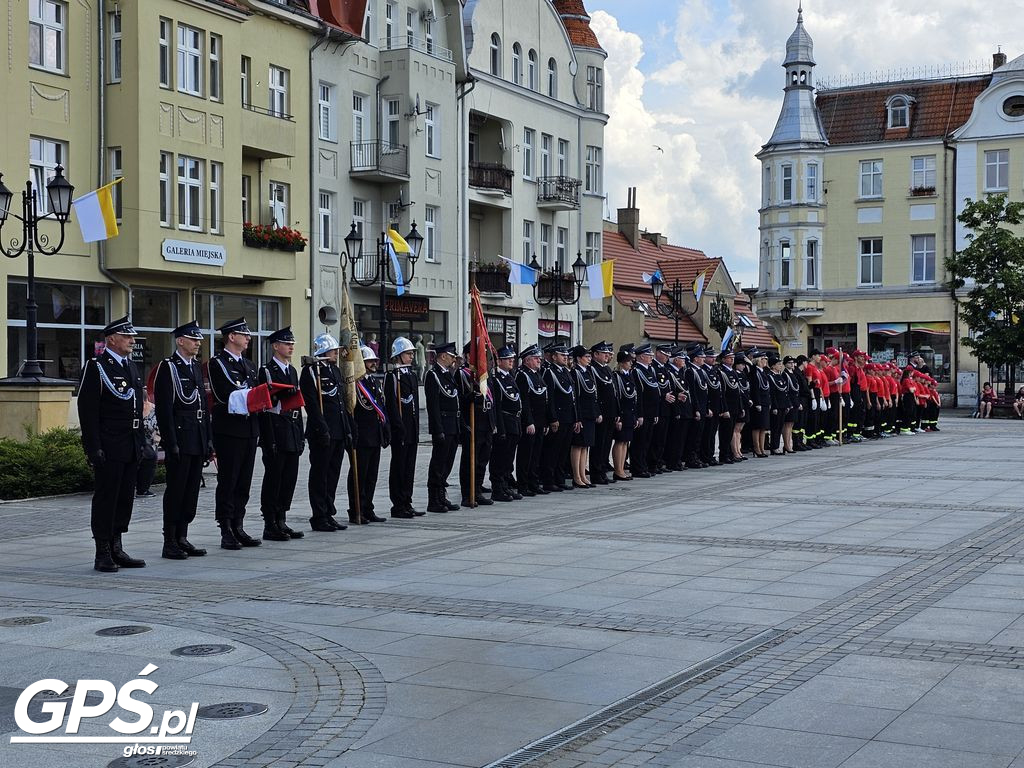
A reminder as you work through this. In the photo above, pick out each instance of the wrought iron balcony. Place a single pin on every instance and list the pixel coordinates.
(491, 176)
(414, 43)
(379, 160)
(493, 281)
(558, 193)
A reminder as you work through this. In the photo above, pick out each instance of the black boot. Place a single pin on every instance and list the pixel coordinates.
(227, 536)
(501, 492)
(283, 527)
(271, 531)
(244, 538)
(185, 545)
(172, 550)
(434, 503)
(122, 558)
(104, 562)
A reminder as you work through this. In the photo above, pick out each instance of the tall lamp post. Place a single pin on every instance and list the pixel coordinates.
(672, 306)
(384, 272)
(558, 293)
(58, 193)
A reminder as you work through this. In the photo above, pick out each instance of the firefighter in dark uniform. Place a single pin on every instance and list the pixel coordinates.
(716, 406)
(471, 400)
(110, 399)
(680, 413)
(534, 427)
(697, 384)
(561, 419)
(648, 393)
(729, 383)
(508, 411)
(442, 395)
(184, 421)
(401, 389)
(281, 438)
(328, 430)
(659, 435)
(373, 433)
(600, 454)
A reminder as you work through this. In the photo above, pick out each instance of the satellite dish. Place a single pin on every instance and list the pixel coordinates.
(328, 315)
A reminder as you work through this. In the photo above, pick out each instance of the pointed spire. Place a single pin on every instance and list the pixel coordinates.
(800, 13)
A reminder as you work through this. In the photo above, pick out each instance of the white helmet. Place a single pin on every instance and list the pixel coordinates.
(400, 345)
(368, 353)
(323, 344)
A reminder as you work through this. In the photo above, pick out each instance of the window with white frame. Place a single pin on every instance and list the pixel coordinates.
(44, 157)
(390, 11)
(562, 246)
(190, 60)
(812, 182)
(166, 163)
(563, 157)
(115, 169)
(899, 112)
(811, 264)
(595, 89)
(871, 178)
(431, 129)
(246, 81)
(527, 241)
(997, 170)
(368, 25)
(430, 222)
(495, 54)
(358, 217)
(517, 64)
(922, 172)
(216, 72)
(552, 78)
(246, 198)
(278, 200)
(428, 34)
(545, 246)
(528, 136)
(47, 34)
(325, 112)
(531, 70)
(593, 182)
(278, 90)
(785, 264)
(786, 177)
(767, 191)
(358, 117)
(922, 249)
(870, 261)
(545, 154)
(190, 193)
(114, 25)
(216, 198)
(392, 125)
(325, 219)
(410, 27)
(164, 53)
(593, 251)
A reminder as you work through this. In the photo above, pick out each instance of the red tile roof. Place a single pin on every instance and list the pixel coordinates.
(630, 263)
(760, 335)
(344, 14)
(858, 115)
(576, 21)
(655, 326)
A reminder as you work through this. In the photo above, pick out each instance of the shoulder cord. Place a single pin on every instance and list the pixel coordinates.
(176, 385)
(626, 386)
(558, 383)
(452, 394)
(128, 394)
(783, 387)
(728, 380)
(319, 381)
(698, 378)
(585, 385)
(713, 381)
(513, 395)
(542, 390)
(762, 382)
(647, 382)
(599, 373)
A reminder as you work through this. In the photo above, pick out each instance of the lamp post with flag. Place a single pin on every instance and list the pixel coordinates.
(559, 293)
(58, 196)
(672, 306)
(388, 269)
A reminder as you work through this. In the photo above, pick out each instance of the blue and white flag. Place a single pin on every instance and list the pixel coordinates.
(727, 339)
(520, 274)
(399, 280)
(649, 278)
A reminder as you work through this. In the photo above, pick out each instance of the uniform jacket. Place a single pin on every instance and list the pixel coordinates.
(606, 401)
(110, 408)
(696, 382)
(469, 394)
(508, 403)
(181, 411)
(561, 397)
(625, 397)
(648, 393)
(585, 391)
(716, 398)
(373, 427)
(731, 396)
(281, 430)
(321, 381)
(534, 398)
(760, 388)
(401, 390)
(227, 375)
(683, 406)
(442, 394)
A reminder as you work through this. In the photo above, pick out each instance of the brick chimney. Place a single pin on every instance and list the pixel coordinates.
(629, 219)
(998, 60)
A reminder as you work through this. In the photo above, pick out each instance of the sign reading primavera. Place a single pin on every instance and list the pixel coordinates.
(194, 253)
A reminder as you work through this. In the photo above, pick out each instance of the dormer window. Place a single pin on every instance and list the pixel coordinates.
(898, 108)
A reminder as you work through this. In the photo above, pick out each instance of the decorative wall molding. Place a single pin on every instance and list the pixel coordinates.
(35, 90)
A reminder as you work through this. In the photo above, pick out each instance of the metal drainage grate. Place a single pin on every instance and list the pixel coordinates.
(152, 761)
(125, 631)
(23, 621)
(209, 649)
(231, 710)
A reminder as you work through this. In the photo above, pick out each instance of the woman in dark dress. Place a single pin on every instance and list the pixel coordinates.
(625, 420)
(741, 366)
(761, 401)
(588, 415)
(779, 401)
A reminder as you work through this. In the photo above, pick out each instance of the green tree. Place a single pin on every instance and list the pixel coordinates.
(992, 268)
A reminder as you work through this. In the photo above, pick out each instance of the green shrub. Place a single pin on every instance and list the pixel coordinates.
(46, 464)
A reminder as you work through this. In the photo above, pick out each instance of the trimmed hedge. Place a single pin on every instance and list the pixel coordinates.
(46, 464)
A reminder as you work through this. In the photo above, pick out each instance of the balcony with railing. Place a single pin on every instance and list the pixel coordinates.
(379, 161)
(493, 279)
(490, 177)
(558, 193)
(267, 133)
(413, 43)
(548, 289)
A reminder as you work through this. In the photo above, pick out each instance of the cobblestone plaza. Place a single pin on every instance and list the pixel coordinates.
(859, 606)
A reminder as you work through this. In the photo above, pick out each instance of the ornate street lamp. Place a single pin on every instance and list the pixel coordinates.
(787, 310)
(560, 294)
(384, 272)
(672, 306)
(59, 193)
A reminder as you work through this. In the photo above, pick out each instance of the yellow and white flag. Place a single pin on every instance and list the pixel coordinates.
(95, 213)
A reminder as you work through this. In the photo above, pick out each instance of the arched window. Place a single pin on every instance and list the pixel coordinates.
(531, 70)
(552, 79)
(517, 64)
(495, 54)
(899, 111)
(803, 77)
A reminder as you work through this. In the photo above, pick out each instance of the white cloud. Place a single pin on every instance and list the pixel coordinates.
(709, 88)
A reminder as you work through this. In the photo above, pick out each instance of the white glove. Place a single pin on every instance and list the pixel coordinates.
(824, 405)
(814, 404)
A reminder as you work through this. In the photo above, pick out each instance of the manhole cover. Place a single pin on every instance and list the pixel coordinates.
(128, 629)
(152, 761)
(23, 621)
(231, 710)
(202, 650)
